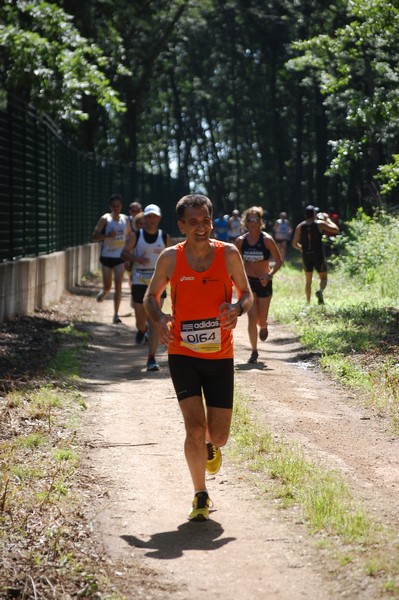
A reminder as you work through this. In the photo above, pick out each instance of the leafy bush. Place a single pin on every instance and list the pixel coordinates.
(370, 251)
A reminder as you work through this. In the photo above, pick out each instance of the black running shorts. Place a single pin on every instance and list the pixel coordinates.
(262, 291)
(138, 292)
(106, 261)
(194, 376)
(313, 261)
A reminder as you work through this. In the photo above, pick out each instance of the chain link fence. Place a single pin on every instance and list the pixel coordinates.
(52, 195)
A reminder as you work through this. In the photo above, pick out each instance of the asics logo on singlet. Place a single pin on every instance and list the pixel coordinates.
(185, 278)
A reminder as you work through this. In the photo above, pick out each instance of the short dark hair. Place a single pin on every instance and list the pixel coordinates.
(309, 212)
(114, 197)
(193, 201)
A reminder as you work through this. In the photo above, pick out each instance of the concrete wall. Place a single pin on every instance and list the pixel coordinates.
(31, 283)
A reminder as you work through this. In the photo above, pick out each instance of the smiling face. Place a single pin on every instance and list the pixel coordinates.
(196, 224)
(253, 222)
(252, 219)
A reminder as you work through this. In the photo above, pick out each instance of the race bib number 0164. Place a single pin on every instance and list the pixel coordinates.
(202, 335)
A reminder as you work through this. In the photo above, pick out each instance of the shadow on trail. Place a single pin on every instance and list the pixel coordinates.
(168, 545)
(259, 366)
(87, 289)
(112, 355)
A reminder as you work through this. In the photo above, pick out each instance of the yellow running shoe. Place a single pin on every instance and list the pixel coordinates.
(214, 460)
(200, 510)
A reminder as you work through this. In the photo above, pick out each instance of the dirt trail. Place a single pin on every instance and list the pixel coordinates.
(249, 549)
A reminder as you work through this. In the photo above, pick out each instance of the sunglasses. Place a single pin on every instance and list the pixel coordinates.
(253, 220)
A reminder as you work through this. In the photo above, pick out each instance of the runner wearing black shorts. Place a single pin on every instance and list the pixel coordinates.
(308, 240)
(191, 375)
(258, 249)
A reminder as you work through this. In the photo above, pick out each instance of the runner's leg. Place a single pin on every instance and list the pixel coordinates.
(308, 284)
(141, 316)
(252, 320)
(323, 280)
(118, 278)
(107, 279)
(194, 446)
(263, 310)
(218, 425)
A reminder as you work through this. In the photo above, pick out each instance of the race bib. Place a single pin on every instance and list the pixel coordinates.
(253, 256)
(144, 276)
(202, 335)
(117, 242)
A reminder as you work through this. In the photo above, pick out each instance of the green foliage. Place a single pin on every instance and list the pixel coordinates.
(389, 175)
(65, 364)
(250, 103)
(346, 371)
(370, 252)
(356, 69)
(355, 333)
(33, 440)
(50, 62)
(66, 454)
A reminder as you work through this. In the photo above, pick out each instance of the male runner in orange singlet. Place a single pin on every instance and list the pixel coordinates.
(201, 272)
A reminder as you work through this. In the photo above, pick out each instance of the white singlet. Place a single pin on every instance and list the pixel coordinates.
(141, 274)
(112, 247)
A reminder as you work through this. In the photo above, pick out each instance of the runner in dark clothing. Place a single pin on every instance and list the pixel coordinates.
(308, 240)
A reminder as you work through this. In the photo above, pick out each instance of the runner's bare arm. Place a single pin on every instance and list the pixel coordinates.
(235, 266)
(275, 252)
(129, 247)
(238, 243)
(295, 240)
(328, 226)
(128, 231)
(160, 279)
(99, 231)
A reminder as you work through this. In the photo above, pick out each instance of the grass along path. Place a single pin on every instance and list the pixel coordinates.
(40, 493)
(355, 334)
(317, 496)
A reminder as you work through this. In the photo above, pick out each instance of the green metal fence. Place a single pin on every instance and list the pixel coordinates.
(52, 195)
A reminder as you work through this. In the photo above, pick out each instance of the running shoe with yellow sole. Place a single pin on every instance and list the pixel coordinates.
(214, 459)
(200, 509)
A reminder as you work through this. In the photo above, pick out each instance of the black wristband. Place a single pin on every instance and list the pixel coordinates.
(241, 309)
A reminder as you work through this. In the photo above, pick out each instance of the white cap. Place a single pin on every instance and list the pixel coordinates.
(152, 209)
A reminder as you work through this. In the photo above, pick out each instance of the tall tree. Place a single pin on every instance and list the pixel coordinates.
(356, 68)
(46, 60)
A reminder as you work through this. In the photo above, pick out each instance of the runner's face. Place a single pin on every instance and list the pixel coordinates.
(135, 209)
(116, 206)
(151, 222)
(197, 224)
(253, 222)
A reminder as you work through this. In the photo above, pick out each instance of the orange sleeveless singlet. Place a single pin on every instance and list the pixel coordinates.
(196, 298)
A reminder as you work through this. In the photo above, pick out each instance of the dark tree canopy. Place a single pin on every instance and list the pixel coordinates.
(280, 104)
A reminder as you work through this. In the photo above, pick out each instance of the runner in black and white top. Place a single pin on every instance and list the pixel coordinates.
(113, 230)
(143, 250)
(257, 247)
